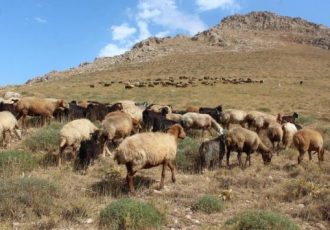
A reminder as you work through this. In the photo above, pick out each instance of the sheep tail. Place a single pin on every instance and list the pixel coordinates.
(62, 142)
(217, 127)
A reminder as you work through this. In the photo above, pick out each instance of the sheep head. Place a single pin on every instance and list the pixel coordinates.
(177, 131)
(266, 157)
(295, 115)
(64, 104)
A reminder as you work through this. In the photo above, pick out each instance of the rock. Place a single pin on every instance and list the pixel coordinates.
(89, 221)
(301, 205)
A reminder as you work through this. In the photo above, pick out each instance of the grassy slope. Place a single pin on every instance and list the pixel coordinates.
(256, 187)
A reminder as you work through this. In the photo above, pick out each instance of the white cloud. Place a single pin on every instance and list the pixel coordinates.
(143, 30)
(40, 20)
(166, 14)
(205, 5)
(162, 34)
(111, 50)
(122, 32)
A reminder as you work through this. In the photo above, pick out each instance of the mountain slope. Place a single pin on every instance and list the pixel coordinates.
(238, 33)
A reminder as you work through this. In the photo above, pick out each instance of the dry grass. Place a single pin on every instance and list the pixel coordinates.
(301, 192)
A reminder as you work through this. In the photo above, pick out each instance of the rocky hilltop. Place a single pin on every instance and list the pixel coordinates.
(239, 33)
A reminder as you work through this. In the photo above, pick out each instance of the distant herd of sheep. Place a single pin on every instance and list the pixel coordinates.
(145, 136)
(180, 82)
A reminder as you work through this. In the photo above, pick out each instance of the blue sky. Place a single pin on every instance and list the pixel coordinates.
(38, 36)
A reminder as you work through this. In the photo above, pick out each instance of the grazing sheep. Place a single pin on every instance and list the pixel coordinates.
(8, 106)
(174, 117)
(97, 111)
(289, 130)
(200, 121)
(243, 140)
(74, 112)
(8, 123)
(118, 125)
(287, 118)
(9, 95)
(132, 109)
(232, 116)
(259, 120)
(192, 109)
(308, 140)
(213, 112)
(158, 108)
(275, 135)
(38, 106)
(72, 134)
(90, 149)
(155, 120)
(211, 153)
(146, 150)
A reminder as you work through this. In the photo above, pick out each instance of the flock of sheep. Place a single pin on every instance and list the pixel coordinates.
(179, 82)
(145, 136)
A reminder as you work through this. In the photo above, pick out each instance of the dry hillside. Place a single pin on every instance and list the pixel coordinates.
(281, 51)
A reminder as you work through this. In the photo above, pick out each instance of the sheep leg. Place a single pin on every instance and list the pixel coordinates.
(129, 178)
(74, 153)
(301, 156)
(60, 156)
(227, 156)
(172, 168)
(239, 159)
(310, 155)
(220, 159)
(162, 179)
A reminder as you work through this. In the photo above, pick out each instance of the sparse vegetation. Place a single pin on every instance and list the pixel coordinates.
(45, 139)
(14, 162)
(261, 220)
(208, 204)
(27, 198)
(187, 157)
(299, 191)
(130, 214)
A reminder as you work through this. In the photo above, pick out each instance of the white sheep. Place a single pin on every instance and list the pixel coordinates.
(289, 130)
(259, 120)
(72, 134)
(193, 120)
(132, 109)
(8, 123)
(232, 116)
(146, 150)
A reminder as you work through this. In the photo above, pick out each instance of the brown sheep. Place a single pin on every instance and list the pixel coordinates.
(147, 150)
(259, 120)
(275, 135)
(243, 140)
(308, 140)
(192, 109)
(118, 125)
(38, 106)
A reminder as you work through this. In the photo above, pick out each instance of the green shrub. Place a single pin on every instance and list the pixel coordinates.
(45, 139)
(187, 157)
(260, 220)
(130, 214)
(13, 162)
(27, 198)
(264, 109)
(208, 204)
(305, 119)
(299, 188)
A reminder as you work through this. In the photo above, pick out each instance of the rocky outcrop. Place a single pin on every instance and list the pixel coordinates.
(253, 31)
